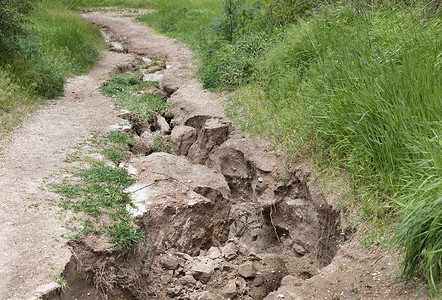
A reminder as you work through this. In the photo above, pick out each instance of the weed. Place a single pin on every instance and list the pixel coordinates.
(99, 189)
(336, 296)
(60, 280)
(119, 84)
(127, 88)
(354, 288)
(120, 138)
(124, 235)
(158, 144)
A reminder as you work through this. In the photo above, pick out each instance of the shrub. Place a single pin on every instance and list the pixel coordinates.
(12, 19)
(56, 44)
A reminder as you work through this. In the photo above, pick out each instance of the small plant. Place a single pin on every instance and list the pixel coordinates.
(158, 144)
(61, 281)
(120, 84)
(124, 235)
(354, 288)
(34, 205)
(99, 189)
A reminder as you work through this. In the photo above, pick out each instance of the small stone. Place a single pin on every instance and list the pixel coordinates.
(163, 125)
(229, 251)
(214, 253)
(298, 248)
(166, 278)
(169, 89)
(243, 249)
(169, 262)
(247, 270)
(203, 271)
(230, 290)
(143, 144)
(188, 280)
(242, 285)
(174, 291)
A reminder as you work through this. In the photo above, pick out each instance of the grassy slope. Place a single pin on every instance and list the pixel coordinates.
(57, 44)
(365, 95)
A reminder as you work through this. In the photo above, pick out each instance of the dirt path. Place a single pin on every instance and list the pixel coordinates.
(266, 223)
(31, 250)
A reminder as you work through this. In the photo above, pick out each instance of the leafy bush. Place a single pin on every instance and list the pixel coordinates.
(56, 44)
(289, 11)
(12, 19)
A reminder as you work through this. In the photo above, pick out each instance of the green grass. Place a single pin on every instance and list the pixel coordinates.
(367, 97)
(56, 44)
(97, 192)
(15, 103)
(356, 93)
(126, 88)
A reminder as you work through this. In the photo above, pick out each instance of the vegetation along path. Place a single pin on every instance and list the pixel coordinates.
(222, 216)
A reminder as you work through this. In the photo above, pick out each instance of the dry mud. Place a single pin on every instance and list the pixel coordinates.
(225, 218)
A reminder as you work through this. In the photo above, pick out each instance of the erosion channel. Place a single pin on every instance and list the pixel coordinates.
(226, 218)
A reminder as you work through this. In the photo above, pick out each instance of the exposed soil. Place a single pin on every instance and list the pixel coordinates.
(226, 218)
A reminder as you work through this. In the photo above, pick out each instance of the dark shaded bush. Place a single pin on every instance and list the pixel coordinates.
(12, 17)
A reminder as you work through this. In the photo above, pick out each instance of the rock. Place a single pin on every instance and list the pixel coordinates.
(125, 114)
(229, 251)
(247, 270)
(170, 262)
(166, 278)
(243, 249)
(214, 253)
(143, 145)
(230, 290)
(174, 291)
(299, 249)
(187, 280)
(206, 295)
(163, 125)
(156, 92)
(182, 138)
(242, 285)
(271, 270)
(229, 267)
(199, 178)
(214, 133)
(169, 89)
(203, 271)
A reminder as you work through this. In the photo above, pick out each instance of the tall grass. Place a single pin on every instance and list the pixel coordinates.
(15, 103)
(154, 4)
(55, 44)
(58, 44)
(369, 95)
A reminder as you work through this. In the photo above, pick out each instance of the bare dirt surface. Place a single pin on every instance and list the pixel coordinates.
(31, 250)
(226, 218)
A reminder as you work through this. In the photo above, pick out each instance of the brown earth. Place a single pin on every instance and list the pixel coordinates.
(227, 219)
